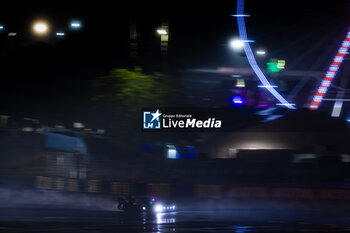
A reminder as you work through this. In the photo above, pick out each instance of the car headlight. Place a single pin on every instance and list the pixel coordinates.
(158, 208)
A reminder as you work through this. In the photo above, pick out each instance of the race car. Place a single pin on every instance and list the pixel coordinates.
(163, 208)
(148, 206)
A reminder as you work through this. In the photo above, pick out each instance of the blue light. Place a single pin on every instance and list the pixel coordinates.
(266, 112)
(237, 100)
(288, 105)
(272, 118)
(2, 27)
(262, 86)
(251, 59)
(75, 25)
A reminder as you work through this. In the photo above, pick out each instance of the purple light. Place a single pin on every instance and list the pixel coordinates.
(237, 100)
(263, 105)
(153, 199)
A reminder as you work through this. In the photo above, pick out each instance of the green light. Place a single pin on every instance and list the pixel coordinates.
(151, 202)
(275, 66)
(272, 67)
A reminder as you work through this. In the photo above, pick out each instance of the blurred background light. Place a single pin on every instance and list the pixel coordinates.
(60, 34)
(75, 25)
(236, 44)
(240, 15)
(162, 31)
(240, 83)
(171, 152)
(251, 59)
(237, 100)
(329, 76)
(40, 28)
(267, 86)
(260, 52)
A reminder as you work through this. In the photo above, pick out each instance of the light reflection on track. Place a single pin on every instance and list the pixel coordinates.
(240, 221)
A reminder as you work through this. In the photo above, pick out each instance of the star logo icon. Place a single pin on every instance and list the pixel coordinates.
(152, 119)
(156, 115)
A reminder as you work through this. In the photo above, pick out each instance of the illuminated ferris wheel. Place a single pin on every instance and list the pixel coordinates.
(325, 83)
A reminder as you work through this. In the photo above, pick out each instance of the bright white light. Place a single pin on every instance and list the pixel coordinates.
(240, 15)
(143, 208)
(236, 76)
(237, 44)
(1, 27)
(267, 86)
(240, 83)
(317, 98)
(75, 25)
(158, 208)
(287, 105)
(260, 52)
(337, 108)
(12, 34)
(40, 28)
(171, 153)
(60, 34)
(162, 32)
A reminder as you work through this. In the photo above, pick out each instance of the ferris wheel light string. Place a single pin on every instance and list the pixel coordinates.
(251, 59)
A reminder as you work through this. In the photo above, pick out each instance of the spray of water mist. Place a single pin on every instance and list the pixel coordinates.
(37, 198)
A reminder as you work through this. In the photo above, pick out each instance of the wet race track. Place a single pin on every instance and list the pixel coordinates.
(240, 221)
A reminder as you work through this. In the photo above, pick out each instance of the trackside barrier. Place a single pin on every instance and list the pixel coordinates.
(159, 190)
(207, 191)
(39, 182)
(59, 184)
(120, 188)
(331, 194)
(73, 185)
(211, 191)
(288, 193)
(93, 186)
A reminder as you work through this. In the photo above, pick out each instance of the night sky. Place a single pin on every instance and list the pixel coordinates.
(39, 75)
